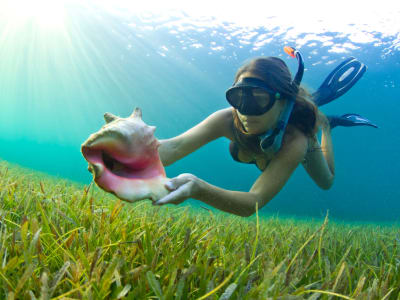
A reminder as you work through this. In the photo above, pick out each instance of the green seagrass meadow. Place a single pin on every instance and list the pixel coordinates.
(63, 240)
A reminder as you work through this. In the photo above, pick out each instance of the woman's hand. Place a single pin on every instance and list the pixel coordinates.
(182, 187)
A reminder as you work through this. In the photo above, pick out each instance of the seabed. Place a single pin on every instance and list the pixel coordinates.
(63, 240)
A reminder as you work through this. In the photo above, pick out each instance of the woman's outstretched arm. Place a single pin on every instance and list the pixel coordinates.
(267, 185)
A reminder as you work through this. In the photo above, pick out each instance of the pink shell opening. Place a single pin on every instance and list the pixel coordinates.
(126, 167)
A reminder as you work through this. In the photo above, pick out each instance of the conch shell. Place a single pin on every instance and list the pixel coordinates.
(123, 158)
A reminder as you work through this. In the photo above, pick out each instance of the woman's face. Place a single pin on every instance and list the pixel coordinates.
(261, 123)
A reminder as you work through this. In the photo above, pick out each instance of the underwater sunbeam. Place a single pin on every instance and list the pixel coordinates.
(46, 13)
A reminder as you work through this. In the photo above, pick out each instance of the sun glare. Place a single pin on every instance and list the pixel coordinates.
(45, 13)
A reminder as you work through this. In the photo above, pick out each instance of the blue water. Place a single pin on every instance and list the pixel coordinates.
(56, 84)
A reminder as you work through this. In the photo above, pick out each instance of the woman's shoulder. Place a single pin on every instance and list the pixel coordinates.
(225, 114)
(294, 141)
(223, 118)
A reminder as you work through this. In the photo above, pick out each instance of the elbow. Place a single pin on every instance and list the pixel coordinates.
(246, 214)
(326, 184)
(325, 187)
(245, 211)
(250, 210)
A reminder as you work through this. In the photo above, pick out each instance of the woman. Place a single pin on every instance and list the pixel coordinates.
(262, 93)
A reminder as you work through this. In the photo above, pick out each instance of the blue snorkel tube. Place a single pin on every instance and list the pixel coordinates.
(271, 141)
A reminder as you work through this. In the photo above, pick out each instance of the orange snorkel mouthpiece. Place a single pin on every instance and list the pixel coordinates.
(290, 51)
(300, 71)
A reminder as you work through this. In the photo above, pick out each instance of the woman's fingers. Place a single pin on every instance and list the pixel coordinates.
(177, 196)
(176, 182)
(181, 187)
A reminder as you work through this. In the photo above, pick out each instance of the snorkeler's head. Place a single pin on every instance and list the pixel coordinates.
(258, 84)
(275, 78)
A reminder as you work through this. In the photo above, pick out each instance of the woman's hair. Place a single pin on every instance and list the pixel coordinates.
(276, 75)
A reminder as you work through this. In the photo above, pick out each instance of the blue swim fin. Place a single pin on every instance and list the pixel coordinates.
(339, 81)
(348, 120)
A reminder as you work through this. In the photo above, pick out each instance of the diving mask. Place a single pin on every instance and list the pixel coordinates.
(251, 96)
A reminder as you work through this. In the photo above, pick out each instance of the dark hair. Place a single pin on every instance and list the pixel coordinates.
(276, 75)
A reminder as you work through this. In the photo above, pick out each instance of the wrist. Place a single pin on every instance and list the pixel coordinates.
(199, 186)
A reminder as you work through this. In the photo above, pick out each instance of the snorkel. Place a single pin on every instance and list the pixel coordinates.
(271, 141)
